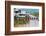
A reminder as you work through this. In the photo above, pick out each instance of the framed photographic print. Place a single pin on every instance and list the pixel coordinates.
(24, 17)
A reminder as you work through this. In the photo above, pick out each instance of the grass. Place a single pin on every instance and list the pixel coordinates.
(21, 21)
(35, 14)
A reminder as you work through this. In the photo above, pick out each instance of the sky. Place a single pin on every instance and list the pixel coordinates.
(29, 10)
